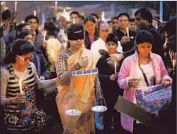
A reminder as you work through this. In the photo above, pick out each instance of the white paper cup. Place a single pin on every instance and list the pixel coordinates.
(99, 109)
(72, 117)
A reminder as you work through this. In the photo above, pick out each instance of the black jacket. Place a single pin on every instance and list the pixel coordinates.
(40, 64)
(110, 88)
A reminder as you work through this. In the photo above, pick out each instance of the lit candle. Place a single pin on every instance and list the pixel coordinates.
(22, 22)
(127, 29)
(15, 6)
(115, 67)
(56, 4)
(34, 12)
(20, 84)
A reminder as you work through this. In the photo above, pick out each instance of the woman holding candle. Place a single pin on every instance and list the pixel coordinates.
(141, 69)
(111, 90)
(18, 79)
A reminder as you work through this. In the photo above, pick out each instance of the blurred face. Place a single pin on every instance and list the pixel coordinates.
(132, 26)
(27, 27)
(115, 23)
(123, 22)
(30, 38)
(104, 33)
(6, 22)
(62, 22)
(139, 22)
(75, 18)
(90, 27)
(76, 44)
(23, 60)
(112, 47)
(33, 24)
(144, 49)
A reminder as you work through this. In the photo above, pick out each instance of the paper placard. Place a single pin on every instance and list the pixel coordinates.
(153, 98)
(85, 72)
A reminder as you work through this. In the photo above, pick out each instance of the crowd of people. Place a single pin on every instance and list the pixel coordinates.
(37, 65)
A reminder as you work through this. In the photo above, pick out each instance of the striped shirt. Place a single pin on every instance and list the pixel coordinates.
(10, 88)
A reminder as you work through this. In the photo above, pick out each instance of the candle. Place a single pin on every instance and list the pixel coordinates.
(56, 4)
(103, 16)
(173, 62)
(44, 33)
(15, 6)
(74, 22)
(34, 12)
(127, 29)
(115, 67)
(20, 85)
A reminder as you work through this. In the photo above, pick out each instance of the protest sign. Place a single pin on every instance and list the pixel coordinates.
(153, 98)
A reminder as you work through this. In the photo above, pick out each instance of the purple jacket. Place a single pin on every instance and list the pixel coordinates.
(127, 71)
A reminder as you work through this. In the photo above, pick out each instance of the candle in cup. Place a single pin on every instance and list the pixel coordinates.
(115, 67)
(127, 29)
(15, 6)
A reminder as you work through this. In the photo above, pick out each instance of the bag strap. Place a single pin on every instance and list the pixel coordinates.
(144, 75)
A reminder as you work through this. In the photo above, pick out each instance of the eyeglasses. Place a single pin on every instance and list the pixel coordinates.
(26, 58)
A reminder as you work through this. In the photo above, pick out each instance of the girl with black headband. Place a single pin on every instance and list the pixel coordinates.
(18, 80)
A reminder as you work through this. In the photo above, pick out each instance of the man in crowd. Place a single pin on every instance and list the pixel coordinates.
(75, 17)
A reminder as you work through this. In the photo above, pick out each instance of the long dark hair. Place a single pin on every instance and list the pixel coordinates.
(20, 47)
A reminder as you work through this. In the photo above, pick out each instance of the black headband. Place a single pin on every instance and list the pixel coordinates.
(75, 32)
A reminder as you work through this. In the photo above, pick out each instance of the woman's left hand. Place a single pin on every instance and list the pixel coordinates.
(166, 83)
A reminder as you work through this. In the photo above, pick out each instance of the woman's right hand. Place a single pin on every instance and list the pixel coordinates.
(133, 82)
(20, 98)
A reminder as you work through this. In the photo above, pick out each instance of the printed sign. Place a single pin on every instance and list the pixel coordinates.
(85, 72)
(153, 98)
